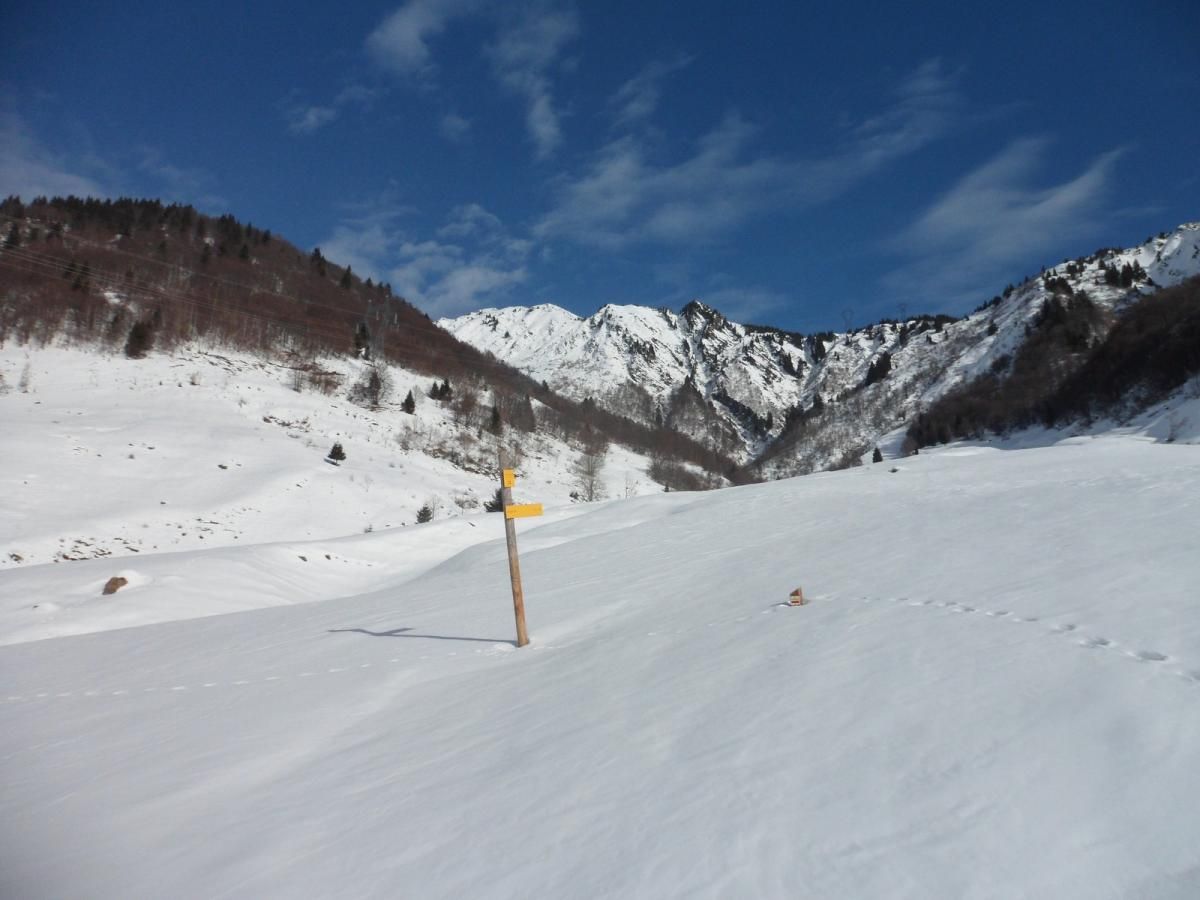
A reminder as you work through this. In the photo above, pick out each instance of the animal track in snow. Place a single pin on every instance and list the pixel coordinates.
(1149, 656)
(1191, 676)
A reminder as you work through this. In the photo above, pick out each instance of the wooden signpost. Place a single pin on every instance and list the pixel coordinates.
(513, 511)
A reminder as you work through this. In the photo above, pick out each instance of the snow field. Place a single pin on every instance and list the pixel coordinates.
(124, 460)
(993, 693)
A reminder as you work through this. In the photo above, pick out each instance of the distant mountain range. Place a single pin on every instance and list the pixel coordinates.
(686, 388)
(744, 388)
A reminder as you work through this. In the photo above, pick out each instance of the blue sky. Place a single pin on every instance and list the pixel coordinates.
(794, 164)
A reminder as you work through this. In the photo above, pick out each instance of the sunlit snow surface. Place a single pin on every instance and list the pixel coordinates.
(995, 692)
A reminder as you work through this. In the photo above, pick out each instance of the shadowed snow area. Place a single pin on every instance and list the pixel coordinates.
(995, 692)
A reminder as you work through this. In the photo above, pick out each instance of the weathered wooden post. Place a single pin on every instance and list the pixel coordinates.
(512, 512)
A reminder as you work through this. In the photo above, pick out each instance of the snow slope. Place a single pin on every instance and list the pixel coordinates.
(106, 456)
(993, 693)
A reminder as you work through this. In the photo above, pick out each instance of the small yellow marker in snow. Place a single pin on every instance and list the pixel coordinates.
(508, 478)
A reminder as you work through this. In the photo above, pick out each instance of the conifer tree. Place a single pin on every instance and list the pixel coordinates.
(140, 340)
(410, 404)
(362, 340)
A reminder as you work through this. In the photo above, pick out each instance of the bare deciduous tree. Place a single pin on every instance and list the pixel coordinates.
(587, 471)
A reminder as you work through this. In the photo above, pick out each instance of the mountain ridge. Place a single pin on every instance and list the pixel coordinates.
(754, 378)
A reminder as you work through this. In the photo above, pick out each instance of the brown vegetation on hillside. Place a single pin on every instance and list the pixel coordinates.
(138, 275)
(1074, 366)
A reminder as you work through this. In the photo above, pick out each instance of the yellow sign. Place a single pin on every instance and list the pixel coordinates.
(508, 478)
(522, 510)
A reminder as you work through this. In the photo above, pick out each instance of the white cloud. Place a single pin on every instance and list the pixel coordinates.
(363, 244)
(530, 37)
(470, 287)
(995, 218)
(625, 196)
(29, 169)
(526, 49)
(447, 279)
(455, 128)
(470, 219)
(177, 183)
(306, 120)
(637, 99)
(472, 262)
(401, 41)
(309, 119)
(926, 100)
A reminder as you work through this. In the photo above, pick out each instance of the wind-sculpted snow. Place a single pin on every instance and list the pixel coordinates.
(992, 693)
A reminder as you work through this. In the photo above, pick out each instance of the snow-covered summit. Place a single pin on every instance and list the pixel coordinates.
(655, 351)
(635, 359)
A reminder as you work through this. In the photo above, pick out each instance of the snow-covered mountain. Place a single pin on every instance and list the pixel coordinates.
(634, 359)
(749, 379)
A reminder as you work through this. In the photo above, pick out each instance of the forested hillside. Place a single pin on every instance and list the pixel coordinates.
(132, 276)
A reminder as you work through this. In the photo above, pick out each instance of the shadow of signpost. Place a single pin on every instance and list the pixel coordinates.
(408, 633)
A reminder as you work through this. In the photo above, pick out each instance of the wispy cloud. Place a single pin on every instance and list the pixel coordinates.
(470, 220)
(368, 236)
(185, 185)
(746, 304)
(470, 286)
(306, 119)
(29, 169)
(626, 196)
(455, 128)
(401, 41)
(445, 279)
(996, 218)
(473, 261)
(523, 55)
(637, 99)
